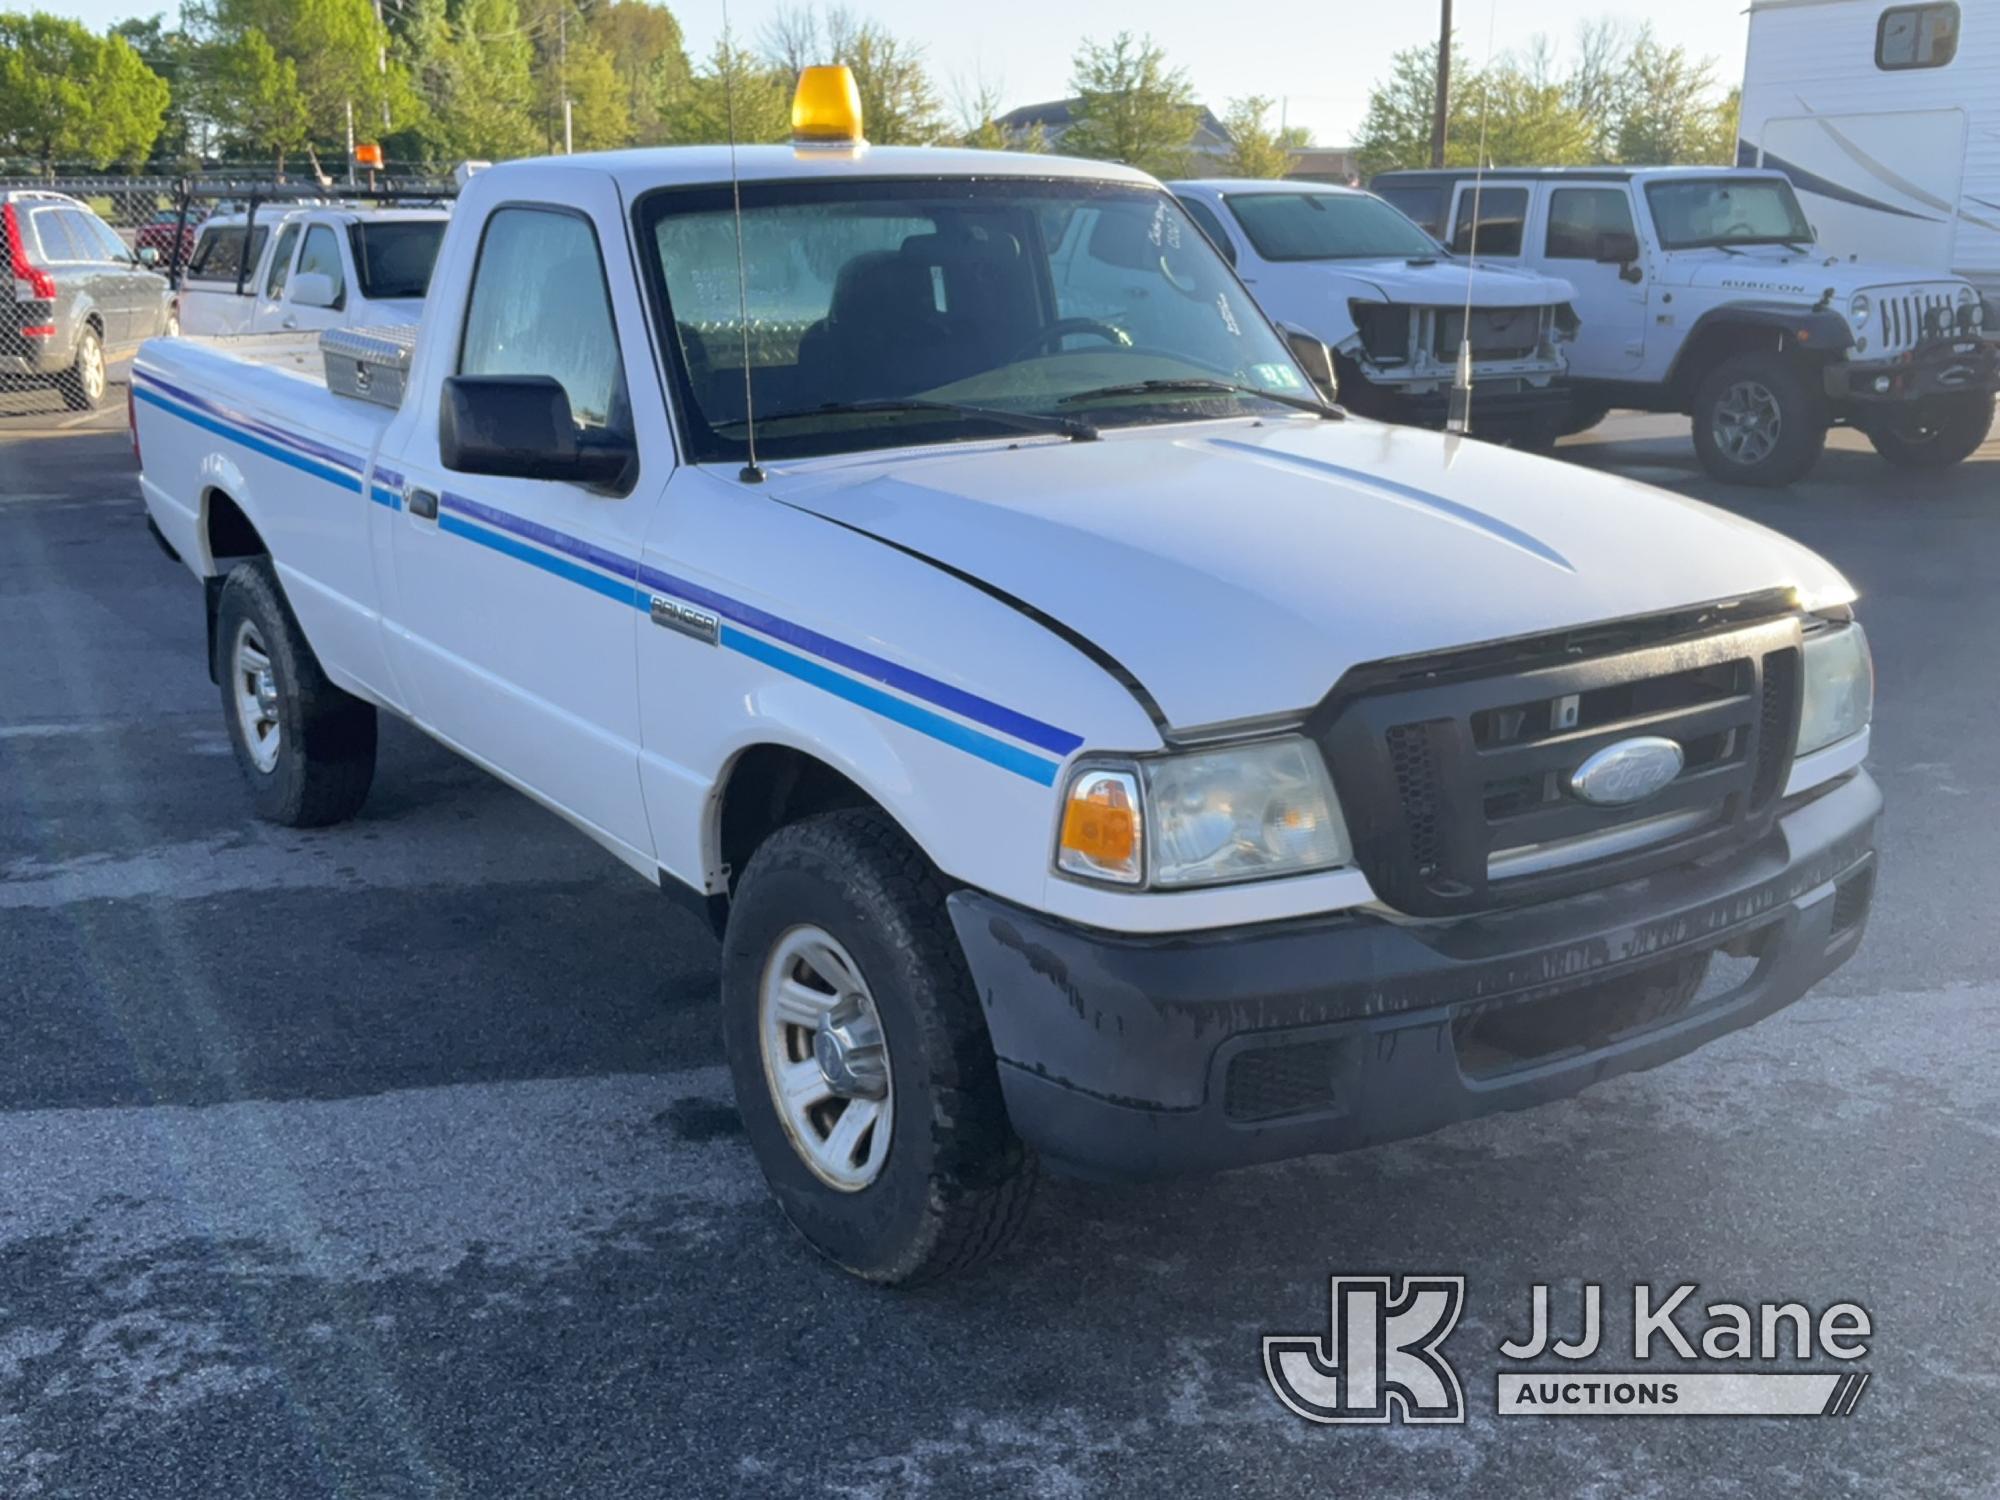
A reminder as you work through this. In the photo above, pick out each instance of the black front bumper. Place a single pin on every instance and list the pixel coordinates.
(1138, 1057)
(1960, 365)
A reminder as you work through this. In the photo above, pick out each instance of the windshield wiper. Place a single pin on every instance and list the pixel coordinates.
(1209, 387)
(1074, 428)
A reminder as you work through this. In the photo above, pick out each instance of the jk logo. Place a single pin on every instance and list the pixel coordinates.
(1382, 1355)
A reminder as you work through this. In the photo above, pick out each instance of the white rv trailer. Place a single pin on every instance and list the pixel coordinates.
(1886, 116)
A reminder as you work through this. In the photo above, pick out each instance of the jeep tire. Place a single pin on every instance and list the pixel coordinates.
(1758, 420)
(1934, 433)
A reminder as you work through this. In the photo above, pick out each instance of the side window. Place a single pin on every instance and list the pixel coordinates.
(322, 254)
(1502, 211)
(281, 262)
(103, 240)
(1422, 203)
(1210, 225)
(1579, 218)
(58, 244)
(541, 306)
(219, 255)
(1916, 36)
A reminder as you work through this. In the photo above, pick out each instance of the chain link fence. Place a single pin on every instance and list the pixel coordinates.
(68, 272)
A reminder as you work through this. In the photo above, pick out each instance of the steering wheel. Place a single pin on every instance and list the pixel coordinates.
(1111, 333)
(1741, 224)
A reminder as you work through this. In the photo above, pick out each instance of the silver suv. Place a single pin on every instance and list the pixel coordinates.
(75, 296)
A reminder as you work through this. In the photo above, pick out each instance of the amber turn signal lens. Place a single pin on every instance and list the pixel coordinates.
(1101, 832)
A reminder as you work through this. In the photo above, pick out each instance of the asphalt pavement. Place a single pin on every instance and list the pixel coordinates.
(398, 1159)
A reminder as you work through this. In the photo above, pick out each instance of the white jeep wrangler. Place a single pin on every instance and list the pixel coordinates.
(1699, 291)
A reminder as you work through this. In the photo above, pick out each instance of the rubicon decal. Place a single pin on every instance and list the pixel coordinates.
(1383, 1360)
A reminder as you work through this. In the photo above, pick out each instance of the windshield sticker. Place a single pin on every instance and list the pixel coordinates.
(1166, 230)
(1280, 377)
(1228, 317)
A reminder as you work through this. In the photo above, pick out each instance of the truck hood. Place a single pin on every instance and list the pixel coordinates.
(1770, 271)
(1237, 570)
(1442, 283)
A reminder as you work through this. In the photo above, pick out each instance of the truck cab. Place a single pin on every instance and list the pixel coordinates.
(1700, 290)
(311, 268)
(1090, 747)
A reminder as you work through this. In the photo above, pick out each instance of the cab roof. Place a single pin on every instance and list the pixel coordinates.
(708, 166)
(1568, 174)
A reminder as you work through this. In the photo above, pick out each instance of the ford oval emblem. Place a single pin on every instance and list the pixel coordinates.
(1627, 772)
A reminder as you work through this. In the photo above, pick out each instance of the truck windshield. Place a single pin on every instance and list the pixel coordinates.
(889, 313)
(1329, 226)
(1727, 211)
(395, 259)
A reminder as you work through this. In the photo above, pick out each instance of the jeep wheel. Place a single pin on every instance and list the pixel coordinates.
(1933, 434)
(83, 383)
(1757, 421)
(1582, 416)
(861, 1062)
(306, 748)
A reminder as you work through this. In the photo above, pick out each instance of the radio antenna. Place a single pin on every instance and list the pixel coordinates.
(1458, 418)
(752, 472)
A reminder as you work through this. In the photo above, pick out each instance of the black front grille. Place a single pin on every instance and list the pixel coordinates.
(1457, 777)
(1385, 330)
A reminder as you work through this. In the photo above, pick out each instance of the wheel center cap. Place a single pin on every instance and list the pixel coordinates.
(848, 1049)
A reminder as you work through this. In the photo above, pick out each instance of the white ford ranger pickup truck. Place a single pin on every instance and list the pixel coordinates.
(1091, 748)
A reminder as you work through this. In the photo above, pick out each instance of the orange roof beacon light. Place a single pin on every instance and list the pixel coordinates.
(826, 110)
(368, 156)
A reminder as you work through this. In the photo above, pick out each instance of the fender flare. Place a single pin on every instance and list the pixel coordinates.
(1820, 329)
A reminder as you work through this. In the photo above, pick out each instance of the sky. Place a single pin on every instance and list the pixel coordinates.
(1317, 56)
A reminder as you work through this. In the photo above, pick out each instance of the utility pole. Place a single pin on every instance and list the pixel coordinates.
(1441, 113)
(382, 63)
(562, 72)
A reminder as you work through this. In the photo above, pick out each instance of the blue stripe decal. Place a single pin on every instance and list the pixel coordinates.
(297, 461)
(917, 684)
(1826, 187)
(633, 584)
(1007, 757)
(252, 426)
(610, 588)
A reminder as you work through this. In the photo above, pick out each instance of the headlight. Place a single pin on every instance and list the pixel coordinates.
(1204, 818)
(1858, 308)
(1839, 688)
(1966, 295)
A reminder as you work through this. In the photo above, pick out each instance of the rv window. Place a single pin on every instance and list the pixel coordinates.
(1502, 211)
(1916, 36)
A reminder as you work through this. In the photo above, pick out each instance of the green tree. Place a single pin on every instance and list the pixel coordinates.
(1255, 148)
(978, 109)
(170, 54)
(1397, 129)
(650, 54)
(266, 110)
(1131, 107)
(68, 95)
(1669, 110)
(762, 101)
(1525, 123)
(337, 50)
(1525, 117)
(487, 110)
(600, 110)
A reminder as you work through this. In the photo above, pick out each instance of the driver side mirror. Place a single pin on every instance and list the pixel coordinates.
(1315, 359)
(313, 289)
(147, 256)
(520, 427)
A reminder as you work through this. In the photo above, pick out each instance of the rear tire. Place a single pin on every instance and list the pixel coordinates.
(1757, 421)
(306, 748)
(1582, 416)
(1933, 434)
(953, 1184)
(84, 383)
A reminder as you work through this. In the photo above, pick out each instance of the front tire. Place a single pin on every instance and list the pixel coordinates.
(1933, 434)
(1758, 422)
(84, 383)
(861, 1061)
(306, 748)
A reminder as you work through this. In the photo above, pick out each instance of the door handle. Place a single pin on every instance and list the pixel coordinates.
(291, 322)
(423, 504)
